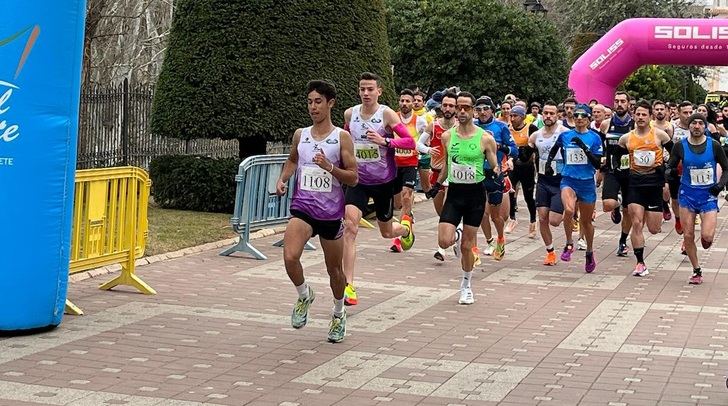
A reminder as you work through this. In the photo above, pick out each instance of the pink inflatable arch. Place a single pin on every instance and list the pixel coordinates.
(646, 41)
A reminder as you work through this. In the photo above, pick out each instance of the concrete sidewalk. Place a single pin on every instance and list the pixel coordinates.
(219, 332)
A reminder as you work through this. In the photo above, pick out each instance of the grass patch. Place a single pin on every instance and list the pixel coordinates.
(172, 230)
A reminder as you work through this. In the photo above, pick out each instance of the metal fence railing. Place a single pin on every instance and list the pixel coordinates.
(114, 130)
(256, 203)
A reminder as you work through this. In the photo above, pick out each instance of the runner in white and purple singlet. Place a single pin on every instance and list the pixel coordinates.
(322, 158)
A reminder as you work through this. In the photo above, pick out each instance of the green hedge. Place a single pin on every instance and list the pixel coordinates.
(239, 68)
(196, 183)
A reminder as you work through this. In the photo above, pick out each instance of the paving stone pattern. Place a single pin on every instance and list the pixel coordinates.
(219, 331)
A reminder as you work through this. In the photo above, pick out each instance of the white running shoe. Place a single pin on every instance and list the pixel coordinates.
(458, 237)
(466, 296)
(489, 249)
(581, 244)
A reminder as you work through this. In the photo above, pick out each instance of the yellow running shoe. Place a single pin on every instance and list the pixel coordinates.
(500, 249)
(350, 298)
(476, 257)
(409, 239)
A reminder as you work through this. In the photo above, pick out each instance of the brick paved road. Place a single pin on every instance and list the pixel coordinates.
(218, 332)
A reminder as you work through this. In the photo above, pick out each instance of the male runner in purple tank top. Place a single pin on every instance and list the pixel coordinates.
(372, 128)
(322, 158)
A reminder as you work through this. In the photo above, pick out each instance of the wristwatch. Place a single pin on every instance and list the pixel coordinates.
(386, 142)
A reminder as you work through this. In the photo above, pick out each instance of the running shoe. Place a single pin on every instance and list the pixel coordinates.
(696, 279)
(337, 328)
(616, 216)
(299, 317)
(439, 255)
(640, 270)
(458, 237)
(568, 250)
(622, 250)
(350, 298)
(466, 296)
(511, 225)
(550, 259)
(532, 230)
(409, 239)
(667, 215)
(499, 250)
(678, 226)
(581, 244)
(575, 226)
(591, 263)
(476, 257)
(489, 249)
(396, 245)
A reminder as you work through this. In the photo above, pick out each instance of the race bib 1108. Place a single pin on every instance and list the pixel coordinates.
(315, 179)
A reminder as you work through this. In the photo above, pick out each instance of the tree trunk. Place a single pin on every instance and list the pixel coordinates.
(250, 146)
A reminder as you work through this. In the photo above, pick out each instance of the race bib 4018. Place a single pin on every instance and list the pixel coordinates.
(367, 152)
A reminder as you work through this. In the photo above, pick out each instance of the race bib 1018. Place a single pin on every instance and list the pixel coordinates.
(462, 173)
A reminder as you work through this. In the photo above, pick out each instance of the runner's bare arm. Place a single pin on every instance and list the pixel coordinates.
(532, 140)
(489, 146)
(289, 167)
(662, 136)
(349, 174)
(445, 142)
(347, 118)
(623, 141)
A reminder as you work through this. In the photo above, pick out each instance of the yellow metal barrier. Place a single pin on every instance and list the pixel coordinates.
(110, 224)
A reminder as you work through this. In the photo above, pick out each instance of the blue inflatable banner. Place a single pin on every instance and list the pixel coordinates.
(41, 43)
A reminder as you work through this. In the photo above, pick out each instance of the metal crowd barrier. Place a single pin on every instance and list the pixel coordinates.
(110, 224)
(256, 203)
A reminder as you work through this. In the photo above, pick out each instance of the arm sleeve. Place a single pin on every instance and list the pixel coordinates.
(422, 147)
(595, 152)
(594, 160)
(722, 160)
(554, 150)
(675, 155)
(405, 140)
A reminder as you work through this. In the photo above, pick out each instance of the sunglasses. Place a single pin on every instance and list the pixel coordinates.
(581, 114)
(465, 107)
